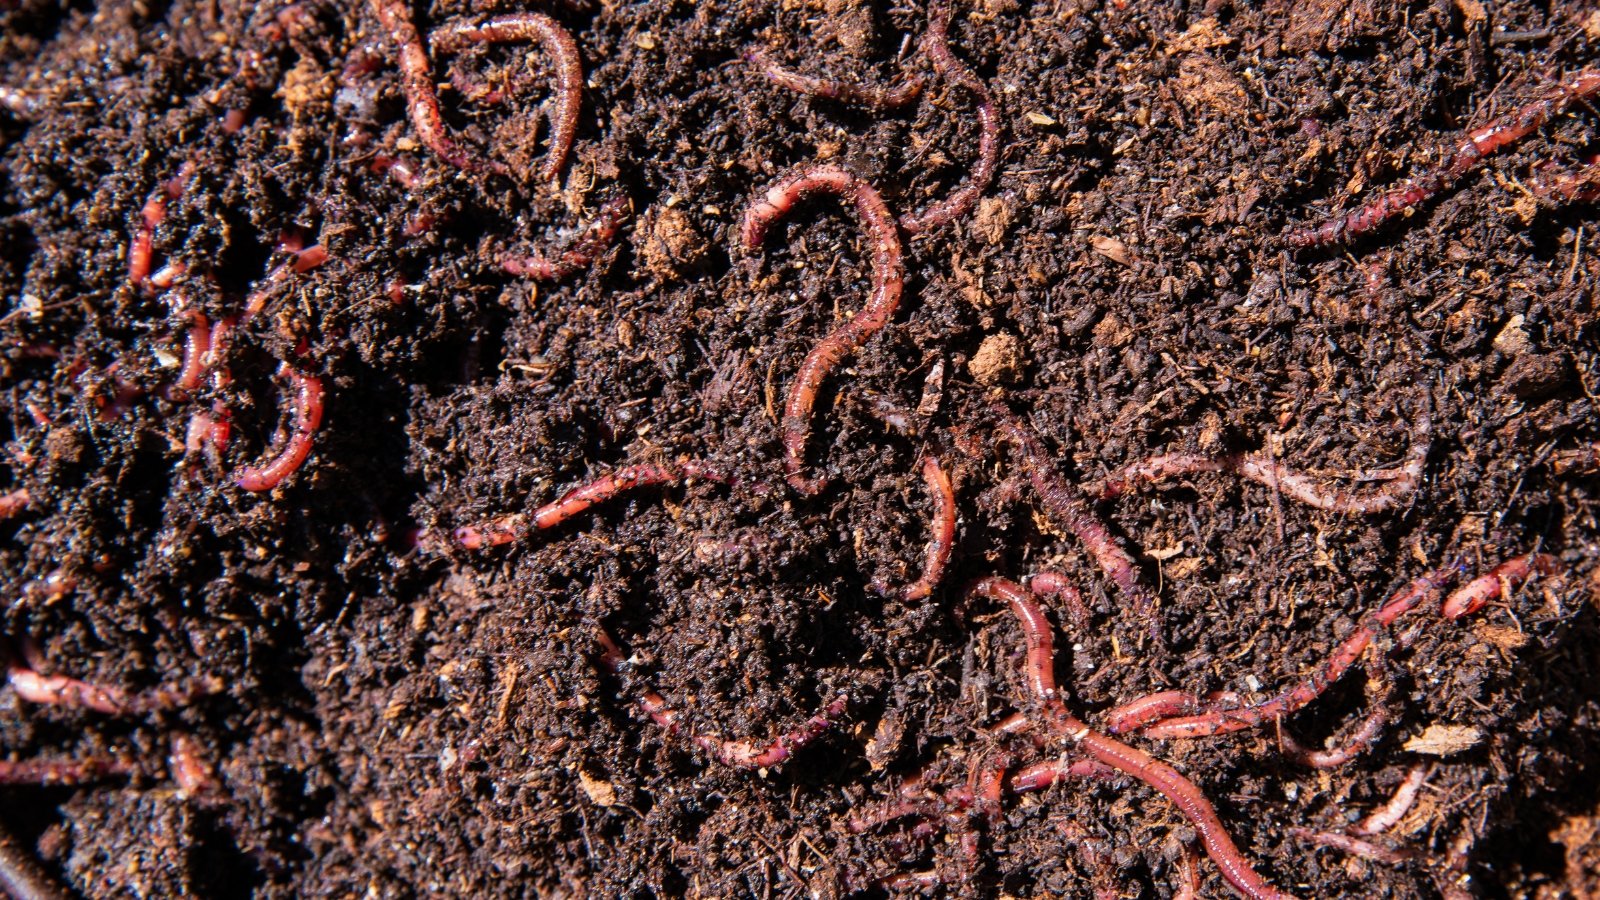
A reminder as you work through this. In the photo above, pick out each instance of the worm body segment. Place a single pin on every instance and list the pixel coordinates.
(888, 280)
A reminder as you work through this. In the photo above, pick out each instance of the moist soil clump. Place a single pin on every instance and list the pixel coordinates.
(275, 349)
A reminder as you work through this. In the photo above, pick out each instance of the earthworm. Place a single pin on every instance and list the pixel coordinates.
(1137, 713)
(1358, 741)
(309, 258)
(478, 90)
(151, 215)
(926, 808)
(1363, 737)
(169, 275)
(307, 405)
(1182, 792)
(1263, 469)
(123, 393)
(140, 253)
(901, 91)
(1048, 583)
(71, 693)
(403, 173)
(1224, 721)
(221, 331)
(52, 772)
(1040, 640)
(888, 278)
(1478, 146)
(192, 774)
(1560, 186)
(943, 528)
(14, 503)
(936, 43)
(20, 876)
(256, 300)
(422, 98)
(1034, 777)
(210, 431)
(1405, 796)
(196, 347)
(739, 753)
(1070, 511)
(1499, 581)
(1016, 723)
(514, 527)
(421, 223)
(985, 784)
(1353, 845)
(580, 253)
(557, 44)
(1041, 775)
(1051, 583)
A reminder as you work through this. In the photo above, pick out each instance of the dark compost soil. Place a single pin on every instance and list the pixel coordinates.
(399, 716)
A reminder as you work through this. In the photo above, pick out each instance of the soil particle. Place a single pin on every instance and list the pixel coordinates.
(998, 360)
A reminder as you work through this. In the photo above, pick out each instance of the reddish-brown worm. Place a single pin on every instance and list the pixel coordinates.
(1355, 743)
(1479, 144)
(71, 693)
(307, 406)
(942, 531)
(557, 43)
(1562, 186)
(1214, 721)
(14, 503)
(578, 255)
(52, 772)
(901, 91)
(514, 527)
(1350, 844)
(936, 43)
(422, 98)
(1266, 470)
(888, 279)
(1498, 582)
(1167, 781)
(1405, 796)
(1068, 509)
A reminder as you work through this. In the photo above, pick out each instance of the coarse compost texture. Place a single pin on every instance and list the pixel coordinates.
(992, 448)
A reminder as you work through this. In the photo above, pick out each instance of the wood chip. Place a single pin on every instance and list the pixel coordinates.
(1111, 249)
(1501, 636)
(1181, 568)
(1512, 339)
(1444, 740)
(598, 789)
